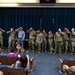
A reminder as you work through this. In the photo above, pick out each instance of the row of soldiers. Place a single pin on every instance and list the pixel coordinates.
(41, 41)
(13, 36)
(61, 41)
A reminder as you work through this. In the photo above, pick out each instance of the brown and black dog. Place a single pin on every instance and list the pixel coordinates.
(19, 48)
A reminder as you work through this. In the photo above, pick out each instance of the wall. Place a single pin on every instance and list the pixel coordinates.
(37, 1)
(65, 1)
(20, 1)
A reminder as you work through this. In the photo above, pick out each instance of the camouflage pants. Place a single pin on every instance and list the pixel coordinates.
(66, 45)
(11, 43)
(1, 42)
(72, 47)
(44, 43)
(58, 46)
(50, 46)
(38, 45)
(31, 44)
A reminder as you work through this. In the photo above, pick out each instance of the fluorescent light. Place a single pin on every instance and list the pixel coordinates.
(8, 4)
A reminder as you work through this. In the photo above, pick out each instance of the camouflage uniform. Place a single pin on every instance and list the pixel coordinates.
(31, 39)
(1, 36)
(44, 41)
(72, 40)
(38, 41)
(66, 40)
(50, 42)
(58, 42)
(12, 38)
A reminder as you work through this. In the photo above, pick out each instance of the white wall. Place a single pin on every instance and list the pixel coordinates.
(20, 1)
(65, 1)
(6, 1)
(36, 1)
(28, 1)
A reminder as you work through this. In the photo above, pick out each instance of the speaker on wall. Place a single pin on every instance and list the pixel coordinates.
(47, 1)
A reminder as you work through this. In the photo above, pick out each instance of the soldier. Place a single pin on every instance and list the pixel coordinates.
(38, 40)
(1, 36)
(31, 38)
(50, 41)
(12, 38)
(58, 41)
(66, 39)
(72, 40)
(44, 41)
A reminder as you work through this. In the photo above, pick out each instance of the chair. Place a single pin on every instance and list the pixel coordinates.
(16, 71)
(11, 60)
(4, 69)
(66, 62)
(72, 73)
(3, 59)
